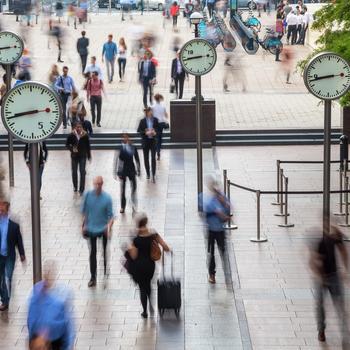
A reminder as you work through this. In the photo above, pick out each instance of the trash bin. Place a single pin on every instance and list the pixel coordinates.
(183, 121)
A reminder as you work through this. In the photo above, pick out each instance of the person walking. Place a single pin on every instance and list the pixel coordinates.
(98, 218)
(159, 112)
(300, 17)
(324, 265)
(94, 90)
(147, 76)
(82, 48)
(109, 52)
(65, 87)
(306, 22)
(217, 212)
(178, 74)
(211, 6)
(122, 58)
(53, 75)
(43, 154)
(78, 143)
(125, 167)
(93, 67)
(174, 12)
(10, 239)
(77, 108)
(142, 265)
(126, 7)
(148, 128)
(49, 319)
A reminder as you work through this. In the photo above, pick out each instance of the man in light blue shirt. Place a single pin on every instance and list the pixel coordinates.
(109, 52)
(98, 217)
(93, 67)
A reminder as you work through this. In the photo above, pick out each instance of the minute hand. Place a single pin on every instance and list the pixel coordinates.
(34, 111)
(192, 58)
(324, 77)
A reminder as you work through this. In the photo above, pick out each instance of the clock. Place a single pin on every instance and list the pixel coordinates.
(327, 76)
(11, 47)
(31, 111)
(198, 57)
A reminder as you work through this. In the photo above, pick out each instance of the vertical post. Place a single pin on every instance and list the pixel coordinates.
(109, 6)
(346, 188)
(10, 137)
(340, 213)
(281, 203)
(326, 165)
(286, 205)
(35, 202)
(229, 225)
(258, 234)
(278, 201)
(225, 182)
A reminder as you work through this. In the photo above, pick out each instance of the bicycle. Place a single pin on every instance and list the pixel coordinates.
(270, 42)
(251, 22)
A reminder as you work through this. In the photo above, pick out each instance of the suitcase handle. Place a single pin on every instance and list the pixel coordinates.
(172, 264)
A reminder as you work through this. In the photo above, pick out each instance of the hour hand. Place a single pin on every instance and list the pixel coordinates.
(192, 58)
(34, 111)
(8, 47)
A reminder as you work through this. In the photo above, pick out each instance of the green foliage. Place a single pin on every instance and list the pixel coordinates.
(333, 21)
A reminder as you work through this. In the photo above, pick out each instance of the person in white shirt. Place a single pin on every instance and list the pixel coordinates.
(305, 27)
(159, 112)
(299, 24)
(292, 22)
(93, 67)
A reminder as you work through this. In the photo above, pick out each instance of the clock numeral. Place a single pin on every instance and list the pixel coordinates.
(40, 125)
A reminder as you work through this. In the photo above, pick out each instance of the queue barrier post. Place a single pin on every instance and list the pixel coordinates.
(278, 200)
(229, 225)
(282, 200)
(258, 237)
(285, 224)
(340, 213)
(346, 185)
(225, 181)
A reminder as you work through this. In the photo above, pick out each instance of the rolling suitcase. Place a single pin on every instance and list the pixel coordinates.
(169, 291)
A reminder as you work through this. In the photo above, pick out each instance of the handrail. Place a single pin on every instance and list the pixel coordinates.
(306, 161)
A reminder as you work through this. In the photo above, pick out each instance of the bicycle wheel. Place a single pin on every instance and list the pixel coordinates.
(273, 48)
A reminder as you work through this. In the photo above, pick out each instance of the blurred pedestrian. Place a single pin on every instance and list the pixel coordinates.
(210, 6)
(50, 321)
(287, 62)
(174, 12)
(71, 15)
(159, 112)
(109, 52)
(10, 239)
(59, 10)
(127, 165)
(323, 263)
(93, 67)
(57, 32)
(233, 69)
(147, 76)
(94, 90)
(147, 129)
(98, 218)
(178, 74)
(43, 154)
(76, 109)
(78, 143)
(217, 212)
(139, 257)
(87, 126)
(122, 58)
(82, 48)
(25, 64)
(126, 8)
(53, 75)
(65, 87)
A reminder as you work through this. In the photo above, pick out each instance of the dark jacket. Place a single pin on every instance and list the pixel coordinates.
(14, 239)
(174, 70)
(125, 165)
(142, 130)
(82, 46)
(43, 153)
(151, 71)
(83, 145)
(87, 126)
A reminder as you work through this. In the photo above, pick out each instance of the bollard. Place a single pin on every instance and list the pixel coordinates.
(278, 183)
(286, 206)
(229, 225)
(282, 177)
(258, 236)
(225, 181)
(346, 187)
(340, 213)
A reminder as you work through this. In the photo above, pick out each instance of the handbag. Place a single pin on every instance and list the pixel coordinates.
(172, 86)
(156, 253)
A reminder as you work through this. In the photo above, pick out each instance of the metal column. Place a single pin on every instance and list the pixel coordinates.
(9, 136)
(35, 201)
(199, 142)
(327, 165)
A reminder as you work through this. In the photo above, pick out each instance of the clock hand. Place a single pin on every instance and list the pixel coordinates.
(8, 47)
(327, 76)
(34, 111)
(192, 58)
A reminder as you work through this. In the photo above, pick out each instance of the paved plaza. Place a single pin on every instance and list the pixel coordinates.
(267, 103)
(270, 304)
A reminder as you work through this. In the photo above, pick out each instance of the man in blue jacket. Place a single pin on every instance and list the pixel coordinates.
(10, 239)
(109, 52)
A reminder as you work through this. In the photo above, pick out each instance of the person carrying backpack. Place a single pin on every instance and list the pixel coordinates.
(94, 91)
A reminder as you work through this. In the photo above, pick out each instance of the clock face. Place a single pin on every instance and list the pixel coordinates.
(327, 76)
(198, 57)
(31, 111)
(11, 47)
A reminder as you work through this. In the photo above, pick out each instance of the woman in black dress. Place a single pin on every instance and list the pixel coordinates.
(143, 266)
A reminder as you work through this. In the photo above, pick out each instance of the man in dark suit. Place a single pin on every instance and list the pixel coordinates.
(178, 74)
(82, 48)
(147, 76)
(10, 238)
(125, 168)
(148, 129)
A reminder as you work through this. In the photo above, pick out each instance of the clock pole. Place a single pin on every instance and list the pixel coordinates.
(9, 136)
(35, 203)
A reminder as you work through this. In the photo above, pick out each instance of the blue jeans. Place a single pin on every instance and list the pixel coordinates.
(7, 265)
